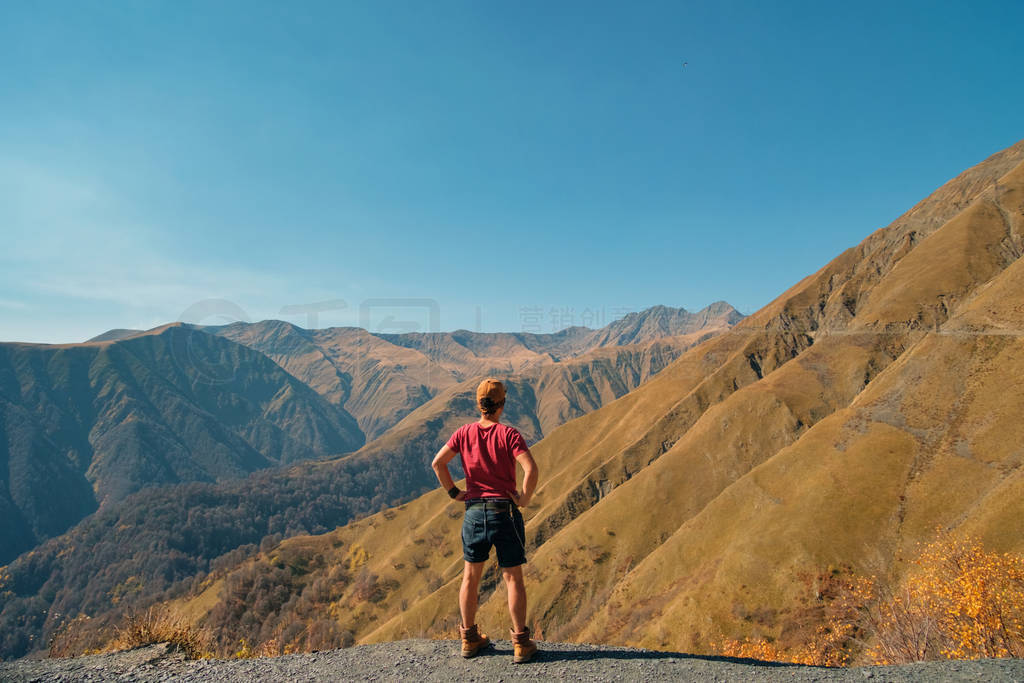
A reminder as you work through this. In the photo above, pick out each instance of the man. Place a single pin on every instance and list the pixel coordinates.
(489, 452)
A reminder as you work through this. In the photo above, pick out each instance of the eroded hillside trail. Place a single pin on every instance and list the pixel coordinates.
(437, 660)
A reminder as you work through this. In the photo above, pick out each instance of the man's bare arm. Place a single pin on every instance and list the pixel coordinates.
(440, 466)
(530, 475)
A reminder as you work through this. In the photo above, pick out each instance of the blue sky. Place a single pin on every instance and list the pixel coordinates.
(486, 162)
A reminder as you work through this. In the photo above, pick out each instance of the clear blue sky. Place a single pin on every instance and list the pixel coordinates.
(487, 156)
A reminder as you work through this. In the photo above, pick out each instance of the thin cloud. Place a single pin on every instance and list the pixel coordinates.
(74, 239)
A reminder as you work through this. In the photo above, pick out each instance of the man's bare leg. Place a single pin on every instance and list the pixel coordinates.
(469, 593)
(516, 588)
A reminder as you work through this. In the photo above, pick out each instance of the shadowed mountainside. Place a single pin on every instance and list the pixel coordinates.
(872, 402)
(85, 425)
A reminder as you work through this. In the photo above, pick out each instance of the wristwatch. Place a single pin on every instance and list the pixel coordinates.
(453, 491)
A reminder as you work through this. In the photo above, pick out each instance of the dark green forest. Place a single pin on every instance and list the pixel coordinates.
(156, 543)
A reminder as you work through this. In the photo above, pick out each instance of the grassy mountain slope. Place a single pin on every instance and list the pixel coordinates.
(872, 401)
(751, 496)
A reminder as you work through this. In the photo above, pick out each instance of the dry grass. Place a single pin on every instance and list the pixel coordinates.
(159, 625)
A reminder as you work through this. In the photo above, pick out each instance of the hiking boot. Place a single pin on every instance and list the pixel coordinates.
(472, 641)
(524, 648)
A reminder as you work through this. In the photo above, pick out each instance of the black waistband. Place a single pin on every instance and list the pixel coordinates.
(496, 502)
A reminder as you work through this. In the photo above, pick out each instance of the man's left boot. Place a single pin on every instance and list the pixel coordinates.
(472, 641)
(523, 648)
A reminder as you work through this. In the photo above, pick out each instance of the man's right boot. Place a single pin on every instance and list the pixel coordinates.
(523, 648)
(472, 641)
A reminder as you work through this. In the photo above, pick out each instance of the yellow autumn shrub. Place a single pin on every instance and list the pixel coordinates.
(958, 602)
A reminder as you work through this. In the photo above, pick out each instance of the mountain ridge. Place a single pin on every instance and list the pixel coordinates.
(834, 428)
(229, 518)
(379, 378)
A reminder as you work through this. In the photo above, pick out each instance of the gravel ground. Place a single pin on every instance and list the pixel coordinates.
(438, 660)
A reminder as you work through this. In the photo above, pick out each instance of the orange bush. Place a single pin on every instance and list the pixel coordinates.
(752, 649)
(959, 602)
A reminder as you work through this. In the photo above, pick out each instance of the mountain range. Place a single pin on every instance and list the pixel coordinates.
(380, 378)
(111, 424)
(830, 433)
(703, 484)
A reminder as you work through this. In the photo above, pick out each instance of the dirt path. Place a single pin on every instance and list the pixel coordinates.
(437, 660)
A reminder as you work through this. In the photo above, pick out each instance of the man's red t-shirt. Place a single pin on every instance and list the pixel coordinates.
(488, 458)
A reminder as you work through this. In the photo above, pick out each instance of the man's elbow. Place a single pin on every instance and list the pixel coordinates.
(530, 467)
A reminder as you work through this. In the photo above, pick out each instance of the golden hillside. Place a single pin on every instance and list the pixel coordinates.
(837, 427)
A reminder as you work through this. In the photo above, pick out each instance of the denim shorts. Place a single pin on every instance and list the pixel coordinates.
(497, 525)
